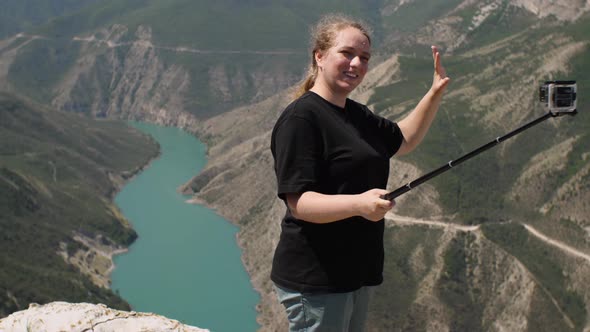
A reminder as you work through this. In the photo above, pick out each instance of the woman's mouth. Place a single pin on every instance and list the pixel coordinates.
(350, 74)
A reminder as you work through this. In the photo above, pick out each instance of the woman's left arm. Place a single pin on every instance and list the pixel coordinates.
(416, 124)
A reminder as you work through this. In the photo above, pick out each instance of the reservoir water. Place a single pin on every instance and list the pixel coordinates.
(185, 264)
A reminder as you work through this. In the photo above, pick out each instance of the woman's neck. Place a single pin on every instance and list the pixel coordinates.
(329, 95)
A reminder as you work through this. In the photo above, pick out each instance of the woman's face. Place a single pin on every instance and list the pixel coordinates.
(343, 66)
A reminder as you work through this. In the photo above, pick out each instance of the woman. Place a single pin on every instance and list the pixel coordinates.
(332, 164)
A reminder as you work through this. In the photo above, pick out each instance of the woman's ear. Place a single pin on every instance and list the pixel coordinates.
(318, 57)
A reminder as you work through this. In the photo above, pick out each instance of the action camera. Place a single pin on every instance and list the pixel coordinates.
(559, 96)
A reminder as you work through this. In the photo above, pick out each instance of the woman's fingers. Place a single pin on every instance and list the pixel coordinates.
(440, 75)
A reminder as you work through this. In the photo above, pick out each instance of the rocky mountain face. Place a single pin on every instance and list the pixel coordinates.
(131, 80)
(126, 70)
(139, 85)
(457, 23)
(502, 244)
(563, 10)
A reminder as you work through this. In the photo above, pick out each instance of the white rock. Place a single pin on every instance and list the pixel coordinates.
(63, 316)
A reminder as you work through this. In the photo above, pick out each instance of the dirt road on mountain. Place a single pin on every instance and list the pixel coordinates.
(408, 221)
(182, 49)
(557, 244)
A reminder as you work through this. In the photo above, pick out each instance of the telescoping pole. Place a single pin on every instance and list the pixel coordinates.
(413, 184)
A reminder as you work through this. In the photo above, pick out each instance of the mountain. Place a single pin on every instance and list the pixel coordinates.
(58, 225)
(19, 15)
(170, 62)
(499, 243)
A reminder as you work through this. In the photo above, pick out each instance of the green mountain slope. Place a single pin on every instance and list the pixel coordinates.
(58, 173)
(489, 105)
(19, 15)
(224, 25)
(538, 178)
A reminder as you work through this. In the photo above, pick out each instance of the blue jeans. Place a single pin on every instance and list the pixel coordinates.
(330, 312)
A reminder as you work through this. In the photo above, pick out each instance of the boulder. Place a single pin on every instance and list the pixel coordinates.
(63, 316)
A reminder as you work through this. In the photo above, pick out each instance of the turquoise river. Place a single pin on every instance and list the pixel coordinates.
(185, 264)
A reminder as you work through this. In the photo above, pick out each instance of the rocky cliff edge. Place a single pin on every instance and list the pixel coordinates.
(63, 316)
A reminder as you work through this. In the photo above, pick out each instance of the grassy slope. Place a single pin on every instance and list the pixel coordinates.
(392, 305)
(413, 15)
(51, 59)
(475, 192)
(548, 267)
(54, 182)
(19, 15)
(477, 189)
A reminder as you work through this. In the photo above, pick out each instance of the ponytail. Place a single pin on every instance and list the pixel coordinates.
(309, 81)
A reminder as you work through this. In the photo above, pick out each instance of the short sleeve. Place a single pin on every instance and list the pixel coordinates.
(388, 131)
(296, 148)
(391, 134)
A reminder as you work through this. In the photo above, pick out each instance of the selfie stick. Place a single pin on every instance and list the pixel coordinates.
(413, 184)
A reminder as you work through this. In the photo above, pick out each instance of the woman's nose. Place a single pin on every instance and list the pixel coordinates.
(355, 61)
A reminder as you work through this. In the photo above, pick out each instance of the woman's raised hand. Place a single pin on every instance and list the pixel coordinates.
(440, 80)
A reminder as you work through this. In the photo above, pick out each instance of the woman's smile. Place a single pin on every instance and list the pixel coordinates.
(350, 74)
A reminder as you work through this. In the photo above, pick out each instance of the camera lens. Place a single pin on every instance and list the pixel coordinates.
(563, 97)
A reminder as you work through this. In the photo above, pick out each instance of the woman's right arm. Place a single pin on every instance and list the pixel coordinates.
(320, 208)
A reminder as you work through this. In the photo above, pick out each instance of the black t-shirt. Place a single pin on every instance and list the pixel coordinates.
(318, 146)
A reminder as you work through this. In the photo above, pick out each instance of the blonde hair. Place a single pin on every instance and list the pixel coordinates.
(323, 35)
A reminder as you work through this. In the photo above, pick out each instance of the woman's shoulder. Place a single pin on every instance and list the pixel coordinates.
(300, 115)
(305, 107)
